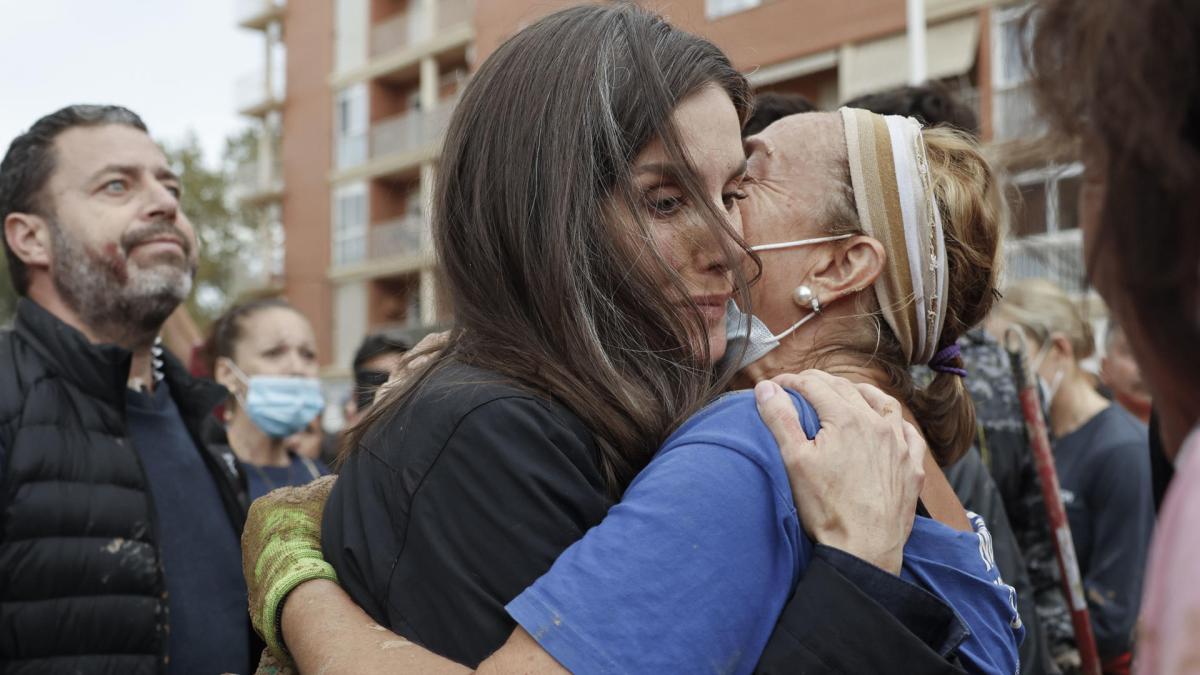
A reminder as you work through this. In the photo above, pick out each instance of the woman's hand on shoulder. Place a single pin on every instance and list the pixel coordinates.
(856, 483)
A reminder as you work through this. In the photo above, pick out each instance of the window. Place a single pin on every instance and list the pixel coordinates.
(349, 224)
(716, 9)
(1013, 112)
(350, 126)
(1047, 201)
(1046, 241)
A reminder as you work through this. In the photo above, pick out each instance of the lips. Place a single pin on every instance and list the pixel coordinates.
(712, 307)
(161, 241)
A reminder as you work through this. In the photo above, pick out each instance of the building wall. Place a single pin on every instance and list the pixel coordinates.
(306, 150)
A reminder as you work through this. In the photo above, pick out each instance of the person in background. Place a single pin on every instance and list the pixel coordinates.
(997, 477)
(770, 106)
(264, 352)
(119, 546)
(376, 359)
(1131, 101)
(307, 442)
(1120, 373)
(930, 104)
(1102, 458)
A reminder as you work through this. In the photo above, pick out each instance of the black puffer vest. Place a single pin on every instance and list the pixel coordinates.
(81, 578)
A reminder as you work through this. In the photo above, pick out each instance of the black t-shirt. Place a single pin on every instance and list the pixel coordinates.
(457, 503)
(1104, 473)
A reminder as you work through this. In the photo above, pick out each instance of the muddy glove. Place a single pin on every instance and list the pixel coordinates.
(281, 549)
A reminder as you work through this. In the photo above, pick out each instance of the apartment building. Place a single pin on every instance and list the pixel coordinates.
(370, 85)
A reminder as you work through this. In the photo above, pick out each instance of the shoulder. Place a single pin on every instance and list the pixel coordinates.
(468, 408)
(726, 438)
(1118, 435)
(732, 421)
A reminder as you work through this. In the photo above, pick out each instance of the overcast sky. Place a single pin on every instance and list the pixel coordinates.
(174, 62)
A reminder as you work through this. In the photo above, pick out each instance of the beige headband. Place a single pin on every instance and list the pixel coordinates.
(893, 195)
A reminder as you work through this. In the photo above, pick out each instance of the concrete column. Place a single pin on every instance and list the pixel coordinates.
(428, 297)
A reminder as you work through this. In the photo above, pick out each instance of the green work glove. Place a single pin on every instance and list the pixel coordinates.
(281, 549)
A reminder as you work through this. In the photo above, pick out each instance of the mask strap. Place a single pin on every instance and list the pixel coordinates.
(800, 242)
(816, 309)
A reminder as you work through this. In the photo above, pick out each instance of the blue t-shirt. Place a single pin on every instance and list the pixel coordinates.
(300, 471)
(201, 553)
(690, 571)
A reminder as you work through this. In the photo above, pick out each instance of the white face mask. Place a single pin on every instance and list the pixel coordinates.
(747, 329)
(1047, 389)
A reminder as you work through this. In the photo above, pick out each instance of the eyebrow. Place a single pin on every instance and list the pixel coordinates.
(673, 172)
(132, 170)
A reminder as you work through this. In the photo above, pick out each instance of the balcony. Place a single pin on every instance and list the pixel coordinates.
(396, 146)
(255, 184)
(1056, 256)
(399, 43)
(395, 247)
(1014, 116)
(258, 14)
(254, 98)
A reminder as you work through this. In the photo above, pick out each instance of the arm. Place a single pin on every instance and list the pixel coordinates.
(332, 635)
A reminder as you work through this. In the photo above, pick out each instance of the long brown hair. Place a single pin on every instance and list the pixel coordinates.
(549, 289)
(1123, 77)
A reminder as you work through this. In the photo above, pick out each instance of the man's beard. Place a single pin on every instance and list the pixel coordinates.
(124, 303)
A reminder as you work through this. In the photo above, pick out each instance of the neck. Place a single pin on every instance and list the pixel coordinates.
(788, 358)
(1074, 404)
(141, 370)
(252, 446)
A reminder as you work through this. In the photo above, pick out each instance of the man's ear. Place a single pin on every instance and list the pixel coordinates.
(853, 266)
(28, 237)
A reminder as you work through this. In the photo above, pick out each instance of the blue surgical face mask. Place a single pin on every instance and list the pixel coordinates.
(280, 406)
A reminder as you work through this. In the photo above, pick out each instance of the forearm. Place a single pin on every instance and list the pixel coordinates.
(327, 633)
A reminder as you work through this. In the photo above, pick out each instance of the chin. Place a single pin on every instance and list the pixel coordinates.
(716, 350)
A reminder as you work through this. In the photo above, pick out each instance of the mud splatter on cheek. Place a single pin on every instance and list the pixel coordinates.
(114, 262)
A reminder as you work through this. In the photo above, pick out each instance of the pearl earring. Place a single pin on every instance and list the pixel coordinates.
(803, 296)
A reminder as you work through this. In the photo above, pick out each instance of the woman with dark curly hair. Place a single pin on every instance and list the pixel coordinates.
(1122, 78)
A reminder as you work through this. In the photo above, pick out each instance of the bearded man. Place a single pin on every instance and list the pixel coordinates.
(119, 538)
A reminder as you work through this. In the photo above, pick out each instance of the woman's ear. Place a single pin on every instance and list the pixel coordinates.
(224, 375)
(1061, 347)
(854, 266)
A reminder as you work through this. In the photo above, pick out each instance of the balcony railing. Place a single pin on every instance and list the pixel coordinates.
(409, 131)
(251, 94)
(398, 32)
(401, 237)
(408, 28)
(252, 182)
(1057, 257)
(1014, 115)
(248, 11)
(453, 12)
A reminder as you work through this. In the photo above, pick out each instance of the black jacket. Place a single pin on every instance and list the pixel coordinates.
(81, 577)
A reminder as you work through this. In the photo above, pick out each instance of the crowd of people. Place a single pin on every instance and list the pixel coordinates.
(729, 388)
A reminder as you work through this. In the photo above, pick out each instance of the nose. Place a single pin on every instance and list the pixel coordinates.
(162, 203)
